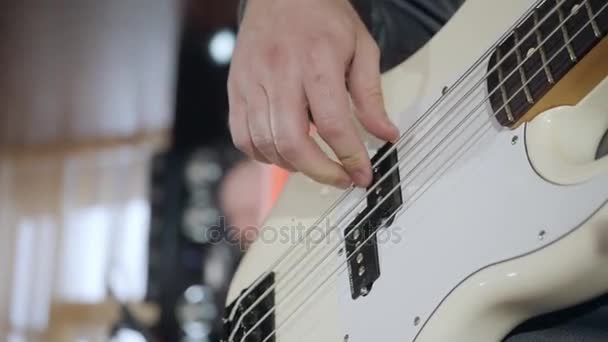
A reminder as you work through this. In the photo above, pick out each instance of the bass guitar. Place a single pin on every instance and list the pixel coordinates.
(490, 209)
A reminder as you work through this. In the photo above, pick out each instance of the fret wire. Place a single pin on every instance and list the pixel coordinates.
(541, 49)
(591, 15)
(560, 12)
(522, 75)
(503, 90)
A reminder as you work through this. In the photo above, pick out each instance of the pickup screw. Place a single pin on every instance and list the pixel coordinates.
(359, 258)
(356, 234)
(361, 270)
(346, 338)
(416, 321)
(364, 291)
(340, 251)
(514, 140)
(444, 90)
(378, 191)
(541, 235)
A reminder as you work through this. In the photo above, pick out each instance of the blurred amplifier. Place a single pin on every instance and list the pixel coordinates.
(190, 261)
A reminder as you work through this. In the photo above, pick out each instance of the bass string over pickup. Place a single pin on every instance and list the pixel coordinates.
(361, 245)
(249, 314)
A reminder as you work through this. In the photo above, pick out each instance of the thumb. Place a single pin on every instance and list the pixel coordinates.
(366, 91)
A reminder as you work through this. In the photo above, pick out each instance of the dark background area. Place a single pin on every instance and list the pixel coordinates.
(200, 137)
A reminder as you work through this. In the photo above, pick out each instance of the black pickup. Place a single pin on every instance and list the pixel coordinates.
(263, 330)
(363, 262)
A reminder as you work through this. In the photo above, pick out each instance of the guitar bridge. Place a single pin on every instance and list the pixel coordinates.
(361, 244)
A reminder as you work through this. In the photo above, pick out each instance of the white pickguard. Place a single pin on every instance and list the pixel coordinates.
(492, 209)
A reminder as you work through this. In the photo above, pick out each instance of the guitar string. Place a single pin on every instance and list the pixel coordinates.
(254, 304)
(419, 192)
(407, 152)
(404, 137)
(464, 120)
(342, 265)
(410, 130)
(400, 213)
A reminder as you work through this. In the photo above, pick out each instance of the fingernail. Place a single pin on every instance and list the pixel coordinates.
(361, 178)
(395, 131)
(344, 183)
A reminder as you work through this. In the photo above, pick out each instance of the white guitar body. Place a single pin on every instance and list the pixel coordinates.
(515, 227)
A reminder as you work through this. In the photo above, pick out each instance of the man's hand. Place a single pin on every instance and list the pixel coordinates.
(293, 56)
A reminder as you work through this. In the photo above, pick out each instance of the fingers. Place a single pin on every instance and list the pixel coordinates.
(293, 142)
(237, 120)
(283, 64)
(365, 89)
(327, 95)
(258, 123)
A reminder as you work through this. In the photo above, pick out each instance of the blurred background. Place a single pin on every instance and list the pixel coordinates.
(122, 200)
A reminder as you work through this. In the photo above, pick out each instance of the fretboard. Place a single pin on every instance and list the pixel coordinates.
(549, 42)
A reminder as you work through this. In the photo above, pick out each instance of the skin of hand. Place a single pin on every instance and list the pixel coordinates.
(296, 56)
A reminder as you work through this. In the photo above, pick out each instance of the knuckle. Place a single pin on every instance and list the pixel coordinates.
(318, 50)
(241, 143)
(263, 142)
(329, 125)
(274, 56)
(342, 27)
(374, 50)
(287, 146)
(353, 161)
(373, 94)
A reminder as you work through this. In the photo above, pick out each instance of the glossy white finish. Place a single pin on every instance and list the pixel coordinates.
(479, 223)
(563, 142)
(482, 212)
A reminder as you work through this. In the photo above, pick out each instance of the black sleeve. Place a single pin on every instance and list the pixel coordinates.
(400, 27)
